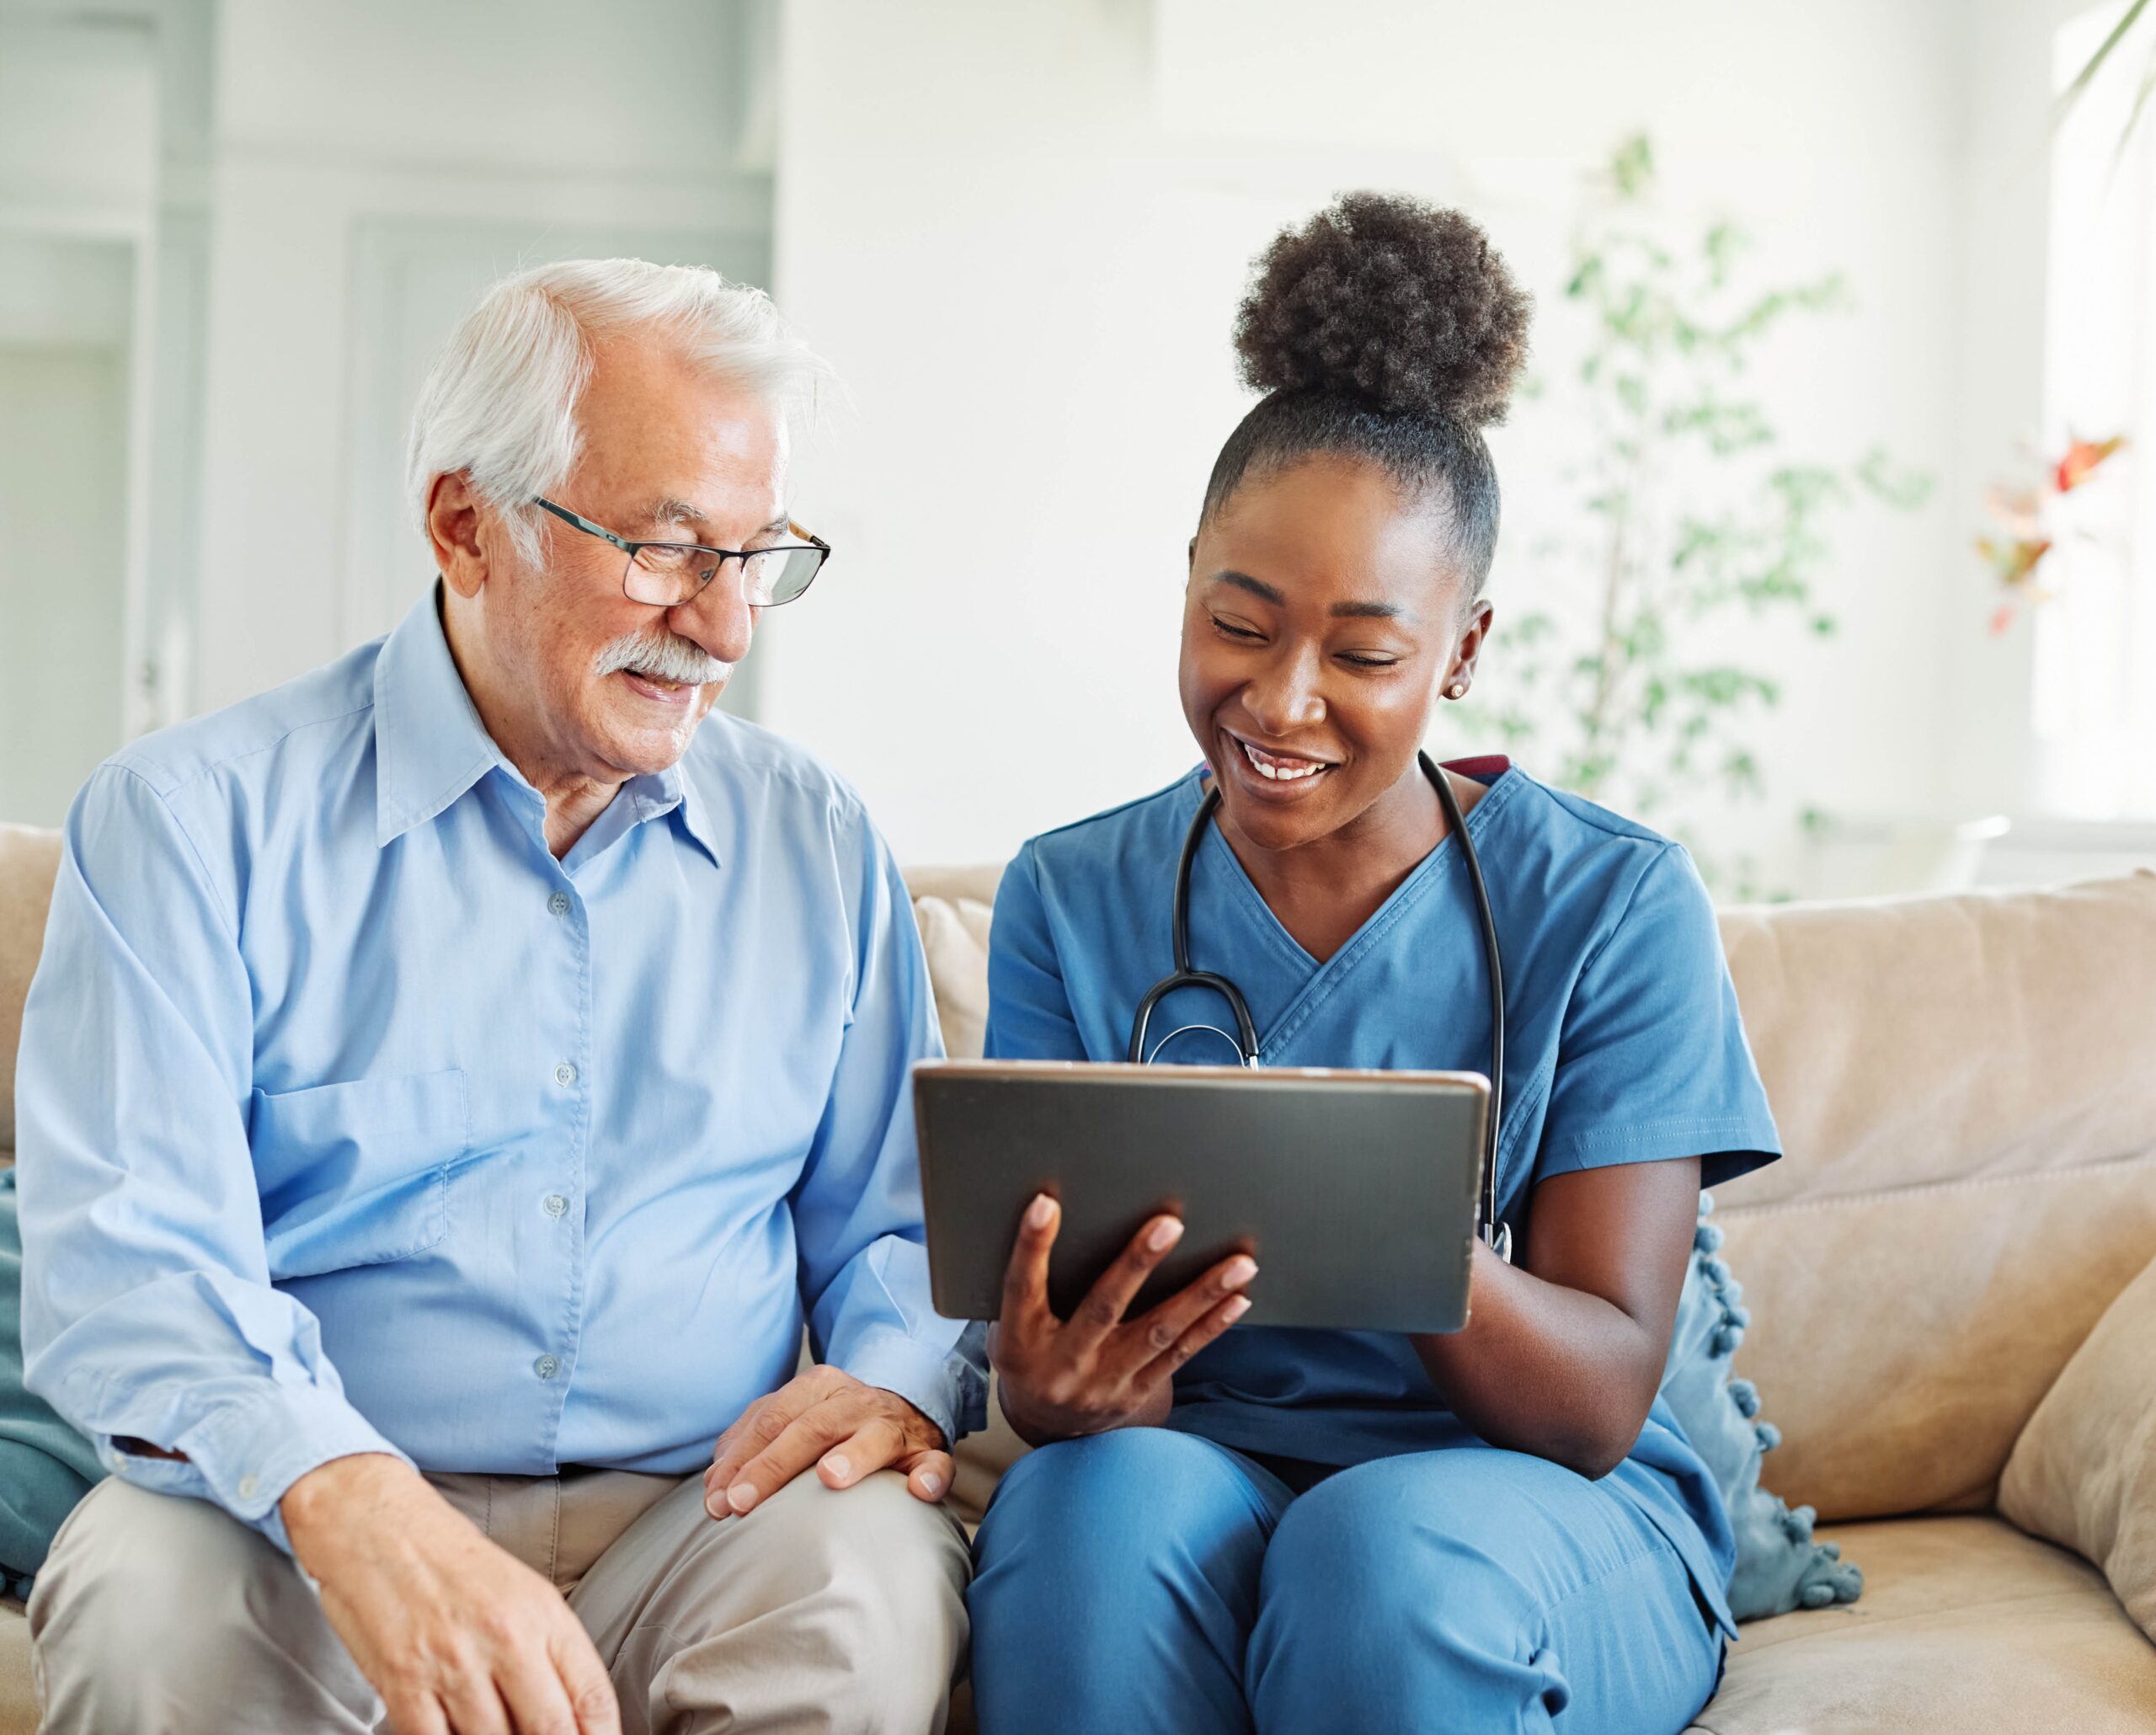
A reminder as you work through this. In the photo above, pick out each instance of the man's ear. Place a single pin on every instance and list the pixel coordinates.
(454, 512)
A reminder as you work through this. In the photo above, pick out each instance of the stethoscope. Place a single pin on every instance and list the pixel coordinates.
(1498, 1235)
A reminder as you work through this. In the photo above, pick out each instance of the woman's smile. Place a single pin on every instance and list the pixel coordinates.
(1271, 772)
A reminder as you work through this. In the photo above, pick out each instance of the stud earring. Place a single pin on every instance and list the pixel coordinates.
(1457, 689)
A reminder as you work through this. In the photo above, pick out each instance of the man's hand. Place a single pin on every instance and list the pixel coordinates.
(458, 1637)
(829, 1419)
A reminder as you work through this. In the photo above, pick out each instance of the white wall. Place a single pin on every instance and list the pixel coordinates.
(1020, 232)
(63, 424)
(374, 166)
(79, 116)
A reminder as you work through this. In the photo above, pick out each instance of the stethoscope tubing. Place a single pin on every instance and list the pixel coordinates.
(1488, 1228)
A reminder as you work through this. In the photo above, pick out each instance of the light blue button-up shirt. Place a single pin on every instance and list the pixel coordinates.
(350, 1120)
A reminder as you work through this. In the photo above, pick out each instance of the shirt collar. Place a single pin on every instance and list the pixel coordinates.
(431, 746)
(670, 792)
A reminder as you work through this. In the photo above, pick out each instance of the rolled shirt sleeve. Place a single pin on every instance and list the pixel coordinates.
(857, 1207)
(148, 1308)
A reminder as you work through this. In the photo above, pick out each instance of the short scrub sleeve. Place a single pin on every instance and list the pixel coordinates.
(1029, 1012)
(1653, 1061)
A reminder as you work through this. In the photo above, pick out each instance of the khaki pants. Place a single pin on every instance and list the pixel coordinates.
(819, 1611)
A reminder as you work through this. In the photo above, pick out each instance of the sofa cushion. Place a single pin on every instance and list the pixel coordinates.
(1964, 1096)
(2084, 1471)
(954, 934)
(1966, 1624)
(19, 1713)
(28, 860)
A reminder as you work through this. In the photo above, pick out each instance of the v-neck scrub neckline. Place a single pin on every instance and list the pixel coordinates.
(1327, 976)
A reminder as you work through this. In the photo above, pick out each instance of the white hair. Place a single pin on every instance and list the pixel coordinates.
(501, 403)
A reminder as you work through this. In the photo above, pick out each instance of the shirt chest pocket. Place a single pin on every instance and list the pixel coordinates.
(357, 1174)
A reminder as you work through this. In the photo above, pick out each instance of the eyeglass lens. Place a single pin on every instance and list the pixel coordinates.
(666, 574)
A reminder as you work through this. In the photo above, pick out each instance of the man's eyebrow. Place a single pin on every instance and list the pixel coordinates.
(673, 511)
(1342, 610)
(668, 510)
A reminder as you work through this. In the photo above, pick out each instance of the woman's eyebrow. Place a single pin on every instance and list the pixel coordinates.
(1257, 587)
(1342, 610)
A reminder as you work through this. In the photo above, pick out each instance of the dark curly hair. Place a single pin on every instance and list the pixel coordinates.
(1388, 330)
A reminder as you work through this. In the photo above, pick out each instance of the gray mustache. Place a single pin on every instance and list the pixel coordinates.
(667, 657)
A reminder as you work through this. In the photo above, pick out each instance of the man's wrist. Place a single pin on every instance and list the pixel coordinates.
(942, 1438)
(333, 1486)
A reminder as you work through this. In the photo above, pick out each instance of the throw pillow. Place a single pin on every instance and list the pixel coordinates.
(45, 1466)
(1779, 1566)
(2083, 1472)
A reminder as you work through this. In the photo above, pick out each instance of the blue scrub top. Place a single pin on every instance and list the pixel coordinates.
(1623, 1043)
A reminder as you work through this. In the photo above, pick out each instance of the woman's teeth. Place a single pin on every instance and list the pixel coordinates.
(1278, 770)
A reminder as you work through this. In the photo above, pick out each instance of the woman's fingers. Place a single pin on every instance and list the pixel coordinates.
(1214, 1321)
(1025, 1279)
(1160, 1331)
(1102, 1310)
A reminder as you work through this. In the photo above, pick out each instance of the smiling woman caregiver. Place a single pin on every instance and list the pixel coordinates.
(1502, 1528)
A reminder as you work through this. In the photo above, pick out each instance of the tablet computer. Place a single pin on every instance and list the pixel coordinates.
(1355, 1192)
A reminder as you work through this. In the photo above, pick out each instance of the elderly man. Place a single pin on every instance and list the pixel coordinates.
(452, 1079)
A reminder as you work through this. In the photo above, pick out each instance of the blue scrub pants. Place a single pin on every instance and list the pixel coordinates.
(1150, 1580)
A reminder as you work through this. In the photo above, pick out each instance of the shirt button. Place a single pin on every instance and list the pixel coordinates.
(559, 903)
(565, 1074)
(248, 1484)
(546, 1367)
(554, 1204)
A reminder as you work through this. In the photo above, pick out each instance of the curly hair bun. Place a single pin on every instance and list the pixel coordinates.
(1392, 300)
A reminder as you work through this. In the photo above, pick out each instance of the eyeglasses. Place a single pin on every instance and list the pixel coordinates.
(667, 575)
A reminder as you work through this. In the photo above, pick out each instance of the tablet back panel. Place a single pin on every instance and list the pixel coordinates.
(1355, 1192)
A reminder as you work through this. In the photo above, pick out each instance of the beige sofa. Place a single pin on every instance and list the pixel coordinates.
(1967, 1088)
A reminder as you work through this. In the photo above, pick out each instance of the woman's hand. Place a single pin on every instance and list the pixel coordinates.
(1097, 1370)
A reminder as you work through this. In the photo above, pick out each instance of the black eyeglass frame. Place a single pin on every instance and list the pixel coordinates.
(811, 542)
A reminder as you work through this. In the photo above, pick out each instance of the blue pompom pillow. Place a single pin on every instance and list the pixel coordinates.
(1779, 1566)
(45, 1466)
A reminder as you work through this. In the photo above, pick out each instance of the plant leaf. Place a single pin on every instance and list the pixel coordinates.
(2072, 93)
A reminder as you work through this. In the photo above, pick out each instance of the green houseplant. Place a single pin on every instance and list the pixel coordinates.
(2110, 46)
(1687, 509)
